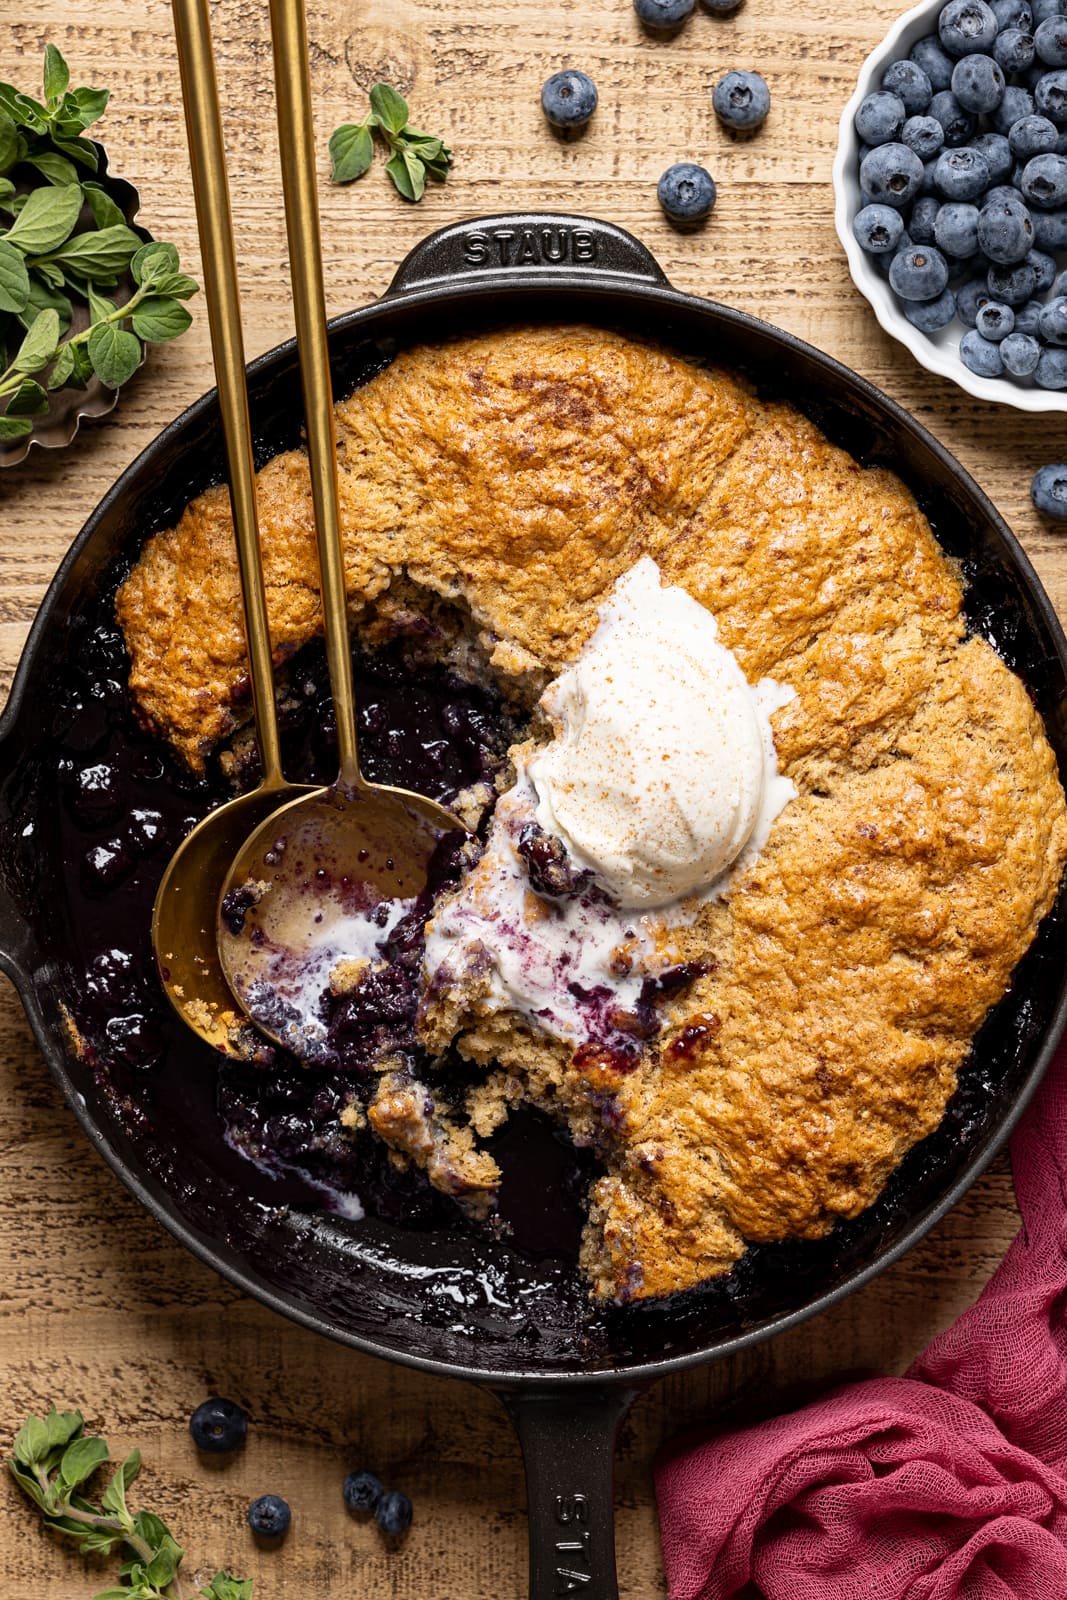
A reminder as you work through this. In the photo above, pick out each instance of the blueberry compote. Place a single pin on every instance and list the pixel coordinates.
(123, 802)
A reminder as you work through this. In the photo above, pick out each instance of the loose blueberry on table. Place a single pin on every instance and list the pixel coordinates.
(269, 1517)
(362, 1492)
(569, 99)
(965, 140)
(741, 101)
(1049, 491)
(686, 192)
(393, 1514)
(664, 15)
(218, 1426)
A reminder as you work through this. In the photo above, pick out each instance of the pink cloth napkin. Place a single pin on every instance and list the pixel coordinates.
(947, 1484)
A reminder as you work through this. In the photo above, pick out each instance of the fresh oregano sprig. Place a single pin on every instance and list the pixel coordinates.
(69, 242)
(413, 156)
(53, 1459)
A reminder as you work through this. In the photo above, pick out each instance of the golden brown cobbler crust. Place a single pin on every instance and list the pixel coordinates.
(523, 473)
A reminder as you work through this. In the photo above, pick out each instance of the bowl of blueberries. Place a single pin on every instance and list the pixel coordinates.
(951, 186)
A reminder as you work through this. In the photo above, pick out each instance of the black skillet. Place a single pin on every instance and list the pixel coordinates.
(436, 1298)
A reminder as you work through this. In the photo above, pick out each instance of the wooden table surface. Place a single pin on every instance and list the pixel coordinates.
(98, 1306)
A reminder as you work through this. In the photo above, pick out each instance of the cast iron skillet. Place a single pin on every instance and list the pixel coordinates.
(442, 1300)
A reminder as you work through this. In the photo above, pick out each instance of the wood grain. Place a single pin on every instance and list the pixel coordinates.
(98, 1306)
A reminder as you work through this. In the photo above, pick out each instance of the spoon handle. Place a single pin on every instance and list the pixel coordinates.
(208, 160)
(296, 136)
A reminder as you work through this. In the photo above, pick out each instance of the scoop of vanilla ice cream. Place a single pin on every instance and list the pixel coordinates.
(659, 771)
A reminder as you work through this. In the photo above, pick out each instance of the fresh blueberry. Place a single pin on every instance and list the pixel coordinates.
(978, 83)
(924, 135)
(980, 355)
(1005, 231)
(1012, 14)
(922, 219)
(931, 56)
(918, 273)
(269, 1517)
(961, 174)
(1001, 194)
(1050, 96)
(956, 230)
(1048, 491)
(1045, 268)
(994, 321)
(966, 27)
(1028, 318)
(1044, 181)
(910, 84)
(878, 229)
(1050, 41)
(720, 8)
(1032, 136)
(569, 99)
(880, 117)
(1020, 353)
(958, 125)
(930, 315)
(1051, 370)
(1013, 51)
(1050, 231)
(741, 100)
(687, 193)
(1012, 284)
(1016, 103)
(393, 1514)
(218, 1426)
(362, 1491)
(664, 15)
(970, 299)
(997, 152)
(1053, 323)
(891, 175)
(1042, 10)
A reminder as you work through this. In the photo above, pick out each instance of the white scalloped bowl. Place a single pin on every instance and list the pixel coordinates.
(937, 352)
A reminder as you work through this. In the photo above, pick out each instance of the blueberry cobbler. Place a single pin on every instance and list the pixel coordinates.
(758, 831)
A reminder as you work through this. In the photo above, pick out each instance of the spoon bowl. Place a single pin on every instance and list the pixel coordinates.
(321, 883)
(184, 918)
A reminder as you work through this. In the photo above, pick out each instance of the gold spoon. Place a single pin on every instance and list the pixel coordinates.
(184, 915)
(326, 878)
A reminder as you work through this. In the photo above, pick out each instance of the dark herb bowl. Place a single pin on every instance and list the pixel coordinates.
(57, 427)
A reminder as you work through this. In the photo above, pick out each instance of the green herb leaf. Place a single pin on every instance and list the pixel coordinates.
(177, 285)
(56, 168)
(98, 254)
(86, 106)
(29, 113)
(46, 219)
(22, 1475)
(158, 318)
(152, 1529)
(57, 379)
(114, 353)
(112, 1594)
(114, 1497)
(15, 428)
(9, 141)
(154, 261)
(82, 375)
(56, 73)
(351, 151)
(106, 214)
(83, 151)
(14, 280)
(80, 1459)
(44, 298)
(49, 272)
(28, 400)
(36, 351)
(31, 1442)
(408, 173)
(225, 1587)
(7, 189)
(101, 309)
(164, 1564)
(390, 108)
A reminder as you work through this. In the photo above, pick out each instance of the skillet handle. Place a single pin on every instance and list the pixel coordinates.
(525, 246)
(568, 1447)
